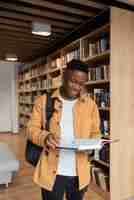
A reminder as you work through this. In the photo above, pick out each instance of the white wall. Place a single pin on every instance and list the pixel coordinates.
(8, 98)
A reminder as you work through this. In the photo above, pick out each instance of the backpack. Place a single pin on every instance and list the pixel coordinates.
(33, 151)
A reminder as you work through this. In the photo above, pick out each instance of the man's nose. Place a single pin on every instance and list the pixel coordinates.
(77, 86)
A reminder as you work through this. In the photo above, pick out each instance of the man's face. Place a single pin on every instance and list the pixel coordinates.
(74, 82)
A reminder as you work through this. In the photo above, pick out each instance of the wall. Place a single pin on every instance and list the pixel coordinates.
(122, 104)
(8, 100)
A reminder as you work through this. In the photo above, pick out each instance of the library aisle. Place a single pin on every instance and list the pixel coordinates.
(22, 186)
(95, 32)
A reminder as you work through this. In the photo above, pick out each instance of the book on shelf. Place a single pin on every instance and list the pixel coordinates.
(105, 127)
(100, 178)
(100, 72)
(57, 82)
(104, 153)
(74, 54)
(101, 97)
(96, 47)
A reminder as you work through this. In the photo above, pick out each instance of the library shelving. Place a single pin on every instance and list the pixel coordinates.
(33, 81)
(95, 50)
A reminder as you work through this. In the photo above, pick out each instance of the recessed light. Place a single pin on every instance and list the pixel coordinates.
(11, 57)
(41, 29)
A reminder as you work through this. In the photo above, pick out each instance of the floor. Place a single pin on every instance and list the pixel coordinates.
(23, 187)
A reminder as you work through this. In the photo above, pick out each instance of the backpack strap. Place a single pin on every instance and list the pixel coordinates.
(49, 109)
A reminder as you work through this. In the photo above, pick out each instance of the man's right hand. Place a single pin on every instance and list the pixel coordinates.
(51, 142)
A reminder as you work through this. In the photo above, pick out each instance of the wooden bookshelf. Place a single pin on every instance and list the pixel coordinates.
(34, 81)
(104, 109)
(96, 34)
(99, 87)
(25, 114)
(101, 162)
(98, 82)
(104, 194)
(97, 58)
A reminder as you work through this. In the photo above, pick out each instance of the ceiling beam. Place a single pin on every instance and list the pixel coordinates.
(89, 3)
(25, 25)
(16, 38)
(58, 7)
(4, 20)
(24, 30)
(23, 53)
(30, 18)
(131, 2)
(117, 3)
(5, 41)
(11, 50)
(23, 35)
(41, 13)
(87, 27)
(17, 51)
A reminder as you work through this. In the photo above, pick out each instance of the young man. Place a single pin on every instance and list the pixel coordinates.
(75, 116)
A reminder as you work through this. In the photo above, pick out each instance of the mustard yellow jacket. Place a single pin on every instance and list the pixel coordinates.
(86, 125)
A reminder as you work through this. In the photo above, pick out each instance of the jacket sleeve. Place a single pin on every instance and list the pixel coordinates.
(34, 129)
(95, 127)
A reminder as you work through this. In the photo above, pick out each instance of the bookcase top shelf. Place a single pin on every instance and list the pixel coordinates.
(98, 32)
(97, 58)
(101, 162)
(104, 109)
(97, 82)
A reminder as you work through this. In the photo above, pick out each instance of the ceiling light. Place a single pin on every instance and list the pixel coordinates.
(11, 57)
(41, 29)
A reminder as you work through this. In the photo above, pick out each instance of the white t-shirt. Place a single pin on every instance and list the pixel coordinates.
(67, 160)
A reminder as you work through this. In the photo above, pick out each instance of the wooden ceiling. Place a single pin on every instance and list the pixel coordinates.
(16, 17)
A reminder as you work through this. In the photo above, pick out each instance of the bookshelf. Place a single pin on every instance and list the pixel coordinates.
(93, 49)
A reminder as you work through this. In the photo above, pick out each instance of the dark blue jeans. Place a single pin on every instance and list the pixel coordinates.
(64, 184)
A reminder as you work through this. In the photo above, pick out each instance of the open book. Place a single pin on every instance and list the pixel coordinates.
(85, 144)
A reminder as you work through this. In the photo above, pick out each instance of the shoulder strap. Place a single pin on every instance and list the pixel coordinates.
(49, 108)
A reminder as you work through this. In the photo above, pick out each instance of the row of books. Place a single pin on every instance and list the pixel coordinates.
(36, 71)
(75, 54)
(23, 121)
(92, 48)
(64, 59)
(100, 178)
(42, 84)
(25, 109)
(29, 99)
(25, 86)
(99, 73)
(32, 72)
(103, 154)
(105, 127)
(101, 97)
(25, 99)
(56, 63)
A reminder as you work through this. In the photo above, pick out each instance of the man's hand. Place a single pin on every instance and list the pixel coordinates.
(51, 142)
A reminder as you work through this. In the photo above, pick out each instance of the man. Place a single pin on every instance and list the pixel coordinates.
(75, 116)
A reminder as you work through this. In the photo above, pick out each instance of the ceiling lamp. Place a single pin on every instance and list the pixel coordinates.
(41, 29)
(11, 57)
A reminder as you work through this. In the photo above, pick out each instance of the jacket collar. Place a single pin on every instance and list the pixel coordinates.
(56, 94)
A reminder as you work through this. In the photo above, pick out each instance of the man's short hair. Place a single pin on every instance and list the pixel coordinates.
(78, 65)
